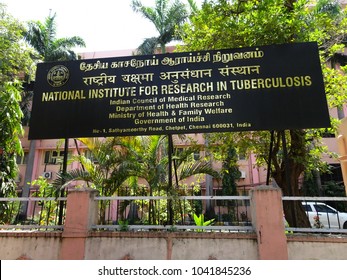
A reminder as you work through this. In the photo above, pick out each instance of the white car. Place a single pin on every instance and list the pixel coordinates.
(322, 215)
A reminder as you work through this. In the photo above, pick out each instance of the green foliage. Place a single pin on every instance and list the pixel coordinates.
(335, 86)
(45, 189)
(154, 169)
(331, 8)
(45, 47)
(227, 24)
(14, 59)
(113, 163)
(166, 16)
(8, 211)
(42, 37)
(10, 133)
(232, 24)
(332, 188)
(124, 225)
(230, 172)
(49, 209)
(200, 221)
(119, 162)
(328, 188)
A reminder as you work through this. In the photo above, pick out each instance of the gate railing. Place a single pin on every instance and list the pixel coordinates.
(143, 213)
(42, 213)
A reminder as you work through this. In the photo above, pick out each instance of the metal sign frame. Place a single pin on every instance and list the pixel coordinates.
(273, 87)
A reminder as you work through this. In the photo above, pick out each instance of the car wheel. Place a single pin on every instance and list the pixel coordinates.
(345, 225)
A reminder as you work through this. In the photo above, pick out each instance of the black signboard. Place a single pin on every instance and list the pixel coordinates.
(247, 89)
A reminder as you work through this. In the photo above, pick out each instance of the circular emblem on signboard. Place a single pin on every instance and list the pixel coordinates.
(58, 76)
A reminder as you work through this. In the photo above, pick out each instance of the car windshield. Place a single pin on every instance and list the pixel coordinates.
(307, 208)
(323, 208)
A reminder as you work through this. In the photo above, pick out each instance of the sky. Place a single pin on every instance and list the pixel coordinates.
(104, 24)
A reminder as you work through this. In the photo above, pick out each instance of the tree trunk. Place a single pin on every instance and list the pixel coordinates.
(294, 166)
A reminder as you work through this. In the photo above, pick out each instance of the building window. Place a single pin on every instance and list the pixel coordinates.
(241, 154)
(54, 157)
(196, 155)
(22, 159)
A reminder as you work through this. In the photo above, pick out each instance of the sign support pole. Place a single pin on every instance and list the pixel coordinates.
(62, 191)
(169, 187)
(270, 157)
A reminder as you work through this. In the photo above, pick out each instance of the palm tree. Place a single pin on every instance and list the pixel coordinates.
(118, 162)
(154, 159)
(111, 164)
(186, 166)
(165, 18)
(42, 37)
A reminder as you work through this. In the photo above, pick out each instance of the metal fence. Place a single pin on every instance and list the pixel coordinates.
(326, 214)
(143, 213)
(32, 213)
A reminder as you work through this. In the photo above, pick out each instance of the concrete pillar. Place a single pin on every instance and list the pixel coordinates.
(267, 219)
(342, 147)
(81, 214)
